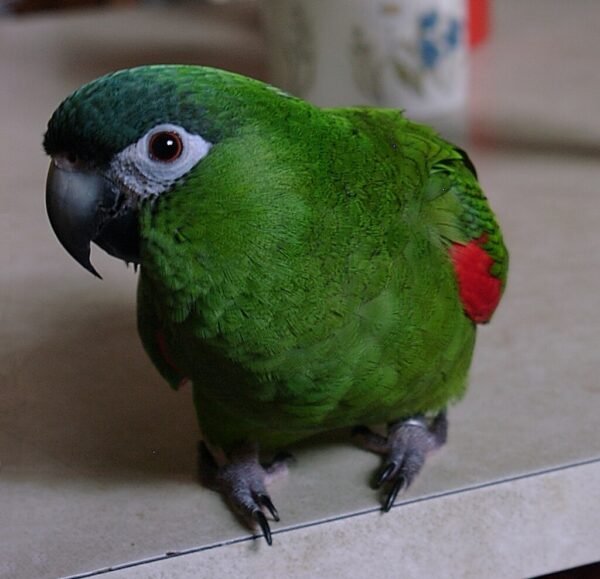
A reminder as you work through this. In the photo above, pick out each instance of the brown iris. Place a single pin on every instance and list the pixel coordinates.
(165, 146)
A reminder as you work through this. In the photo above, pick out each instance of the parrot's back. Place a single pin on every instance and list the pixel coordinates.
(323, 274)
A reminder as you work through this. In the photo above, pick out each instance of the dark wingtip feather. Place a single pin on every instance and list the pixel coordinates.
(467, 161)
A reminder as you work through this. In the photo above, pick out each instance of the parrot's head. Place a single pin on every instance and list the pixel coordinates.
(128, 137)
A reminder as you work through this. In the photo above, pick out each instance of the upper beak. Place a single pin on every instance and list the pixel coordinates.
(81, 206)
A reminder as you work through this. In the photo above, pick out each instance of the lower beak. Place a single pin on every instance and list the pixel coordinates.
(82, 207)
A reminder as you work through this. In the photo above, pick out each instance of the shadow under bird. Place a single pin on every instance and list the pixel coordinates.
(306, 269)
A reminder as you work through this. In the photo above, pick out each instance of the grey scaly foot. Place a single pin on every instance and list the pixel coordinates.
(405, 449)
(242, 481)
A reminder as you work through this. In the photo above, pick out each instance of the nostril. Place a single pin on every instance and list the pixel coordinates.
(67, 161)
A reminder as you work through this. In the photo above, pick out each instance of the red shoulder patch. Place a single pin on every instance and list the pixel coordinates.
(479, 290)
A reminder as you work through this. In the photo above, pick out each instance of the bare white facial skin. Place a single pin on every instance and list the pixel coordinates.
(157, 161)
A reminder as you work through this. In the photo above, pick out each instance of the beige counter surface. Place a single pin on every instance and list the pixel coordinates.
(97, 455)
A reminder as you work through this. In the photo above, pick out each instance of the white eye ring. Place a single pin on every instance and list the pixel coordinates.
(190, 149)
(149, 174)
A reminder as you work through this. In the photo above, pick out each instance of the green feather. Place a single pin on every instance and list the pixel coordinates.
(299, 273)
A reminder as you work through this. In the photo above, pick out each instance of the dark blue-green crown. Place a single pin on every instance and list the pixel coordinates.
(103, 117)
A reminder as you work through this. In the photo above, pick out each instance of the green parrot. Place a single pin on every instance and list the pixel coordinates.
(305, 269)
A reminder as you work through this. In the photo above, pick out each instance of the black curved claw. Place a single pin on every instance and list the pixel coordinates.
(265, 500)
(399, 484)
(260, 518)
(385, 474)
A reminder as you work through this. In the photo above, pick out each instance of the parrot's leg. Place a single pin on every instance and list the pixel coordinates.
(242, 481)
(405, 448)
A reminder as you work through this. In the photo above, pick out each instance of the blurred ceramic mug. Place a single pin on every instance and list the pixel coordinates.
(408, 54)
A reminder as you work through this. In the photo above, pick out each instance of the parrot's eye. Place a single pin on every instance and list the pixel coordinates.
(158, 159)
(165, 146)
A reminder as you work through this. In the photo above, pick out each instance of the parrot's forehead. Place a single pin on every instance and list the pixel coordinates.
(106, 115)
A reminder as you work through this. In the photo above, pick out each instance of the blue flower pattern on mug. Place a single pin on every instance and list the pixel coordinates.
(438, 37)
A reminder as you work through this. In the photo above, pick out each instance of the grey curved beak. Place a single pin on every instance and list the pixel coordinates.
(82, 208)
(72, 201)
